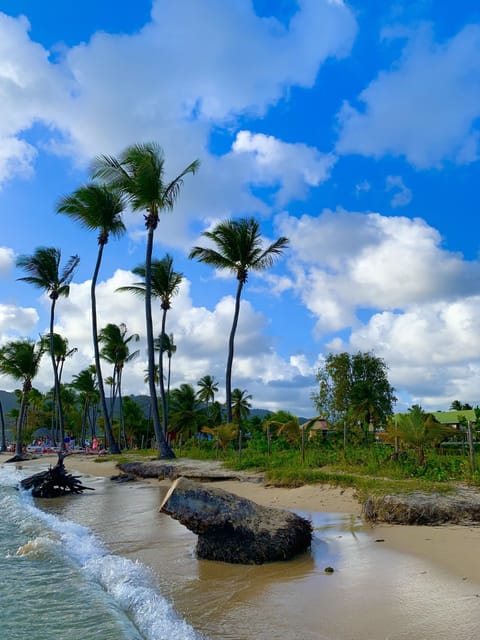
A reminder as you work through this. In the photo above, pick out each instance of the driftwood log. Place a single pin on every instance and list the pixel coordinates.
(234, 529)
(54, 482)
(461, 506)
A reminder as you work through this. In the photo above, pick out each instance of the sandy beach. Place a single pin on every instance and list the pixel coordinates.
(390, 582)
(454, 548)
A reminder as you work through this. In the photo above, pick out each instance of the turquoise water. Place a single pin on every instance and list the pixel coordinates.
(58, 580)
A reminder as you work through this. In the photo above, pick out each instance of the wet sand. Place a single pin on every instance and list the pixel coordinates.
(390, 582)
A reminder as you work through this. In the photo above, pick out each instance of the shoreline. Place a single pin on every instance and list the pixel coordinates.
(454, 548)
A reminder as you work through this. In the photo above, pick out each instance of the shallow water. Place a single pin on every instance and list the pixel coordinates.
(99, 579)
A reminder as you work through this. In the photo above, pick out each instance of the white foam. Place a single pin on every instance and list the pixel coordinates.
(130, 584)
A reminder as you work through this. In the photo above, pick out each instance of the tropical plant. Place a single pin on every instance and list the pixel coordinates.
(165, 285)
(138, 174)
(239, 249)
(97, 208)
(86, 384)
(44, 272)
(170, 348)
(241, 405)
(61, 352)
(419, 431)
(116, 350)
(185, 413)
(208, 387)
(223, 434)
(20, 360)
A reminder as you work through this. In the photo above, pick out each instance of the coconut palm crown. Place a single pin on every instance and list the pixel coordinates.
(97, 208)
(239, 249)
(139, 174)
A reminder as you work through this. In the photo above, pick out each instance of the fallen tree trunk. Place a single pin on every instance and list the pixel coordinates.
(234, 529)
(54, 482)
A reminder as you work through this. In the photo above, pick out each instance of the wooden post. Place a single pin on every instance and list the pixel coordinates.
(471, 447)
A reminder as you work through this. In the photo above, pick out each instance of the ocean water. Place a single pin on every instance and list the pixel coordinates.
(59, 581)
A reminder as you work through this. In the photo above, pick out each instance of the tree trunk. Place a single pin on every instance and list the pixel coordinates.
(160, 377)
(234, 529)
(231, 341)
(56, 386)
(164, 450)
(2, 422)
(112, 444)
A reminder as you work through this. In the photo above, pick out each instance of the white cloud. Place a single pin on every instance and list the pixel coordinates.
(7, 259)
(345, 261)
(294, 167)
(402, 196)
(424, 108)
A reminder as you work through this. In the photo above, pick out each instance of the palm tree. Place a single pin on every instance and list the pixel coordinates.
(185, 411)
(241, 405)
(170, 348)
(139, 174)
(3, 446)
(116, 351)
(98, 208)
(165, 285)
(60, 352)
(86, 384)
(44, 272)
(20, 360)
(208, 388)
(239, 249)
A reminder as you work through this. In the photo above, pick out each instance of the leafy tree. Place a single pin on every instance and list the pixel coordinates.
(239, 249)
(44, 272)
(97, 208)
(165, 285)
(460, 406)
(135, 422)
(20, 360)
(139, 175)
(354, 387)
(116, 350)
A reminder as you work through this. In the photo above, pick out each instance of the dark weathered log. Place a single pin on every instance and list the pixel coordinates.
(234, 529)
(54, 482)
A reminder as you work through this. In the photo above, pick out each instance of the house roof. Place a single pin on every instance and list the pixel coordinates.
(454, 417)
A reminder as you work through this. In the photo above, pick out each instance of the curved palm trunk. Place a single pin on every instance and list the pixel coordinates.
(160, 376)
(56, 378)
(228, 376)
(112, 444)
(121, 429)
(164, 450)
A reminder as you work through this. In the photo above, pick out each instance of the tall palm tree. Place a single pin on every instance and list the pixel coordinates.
(116, 351)
(61, 352)
(165, 285)
(139, 173)
(170, 348)
(86, 384)
(208, 387)
(20, 360)
(239, 249)
(98, 208)
(185, 414)
(44, 272)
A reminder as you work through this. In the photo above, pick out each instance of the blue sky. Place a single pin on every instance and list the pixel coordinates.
(350, 127)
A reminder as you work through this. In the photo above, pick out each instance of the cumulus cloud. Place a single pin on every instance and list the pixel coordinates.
(413, 109)
(295, 167)
(344, 261)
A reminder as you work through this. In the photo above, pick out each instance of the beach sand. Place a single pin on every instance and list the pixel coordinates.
(455, 548)
(390, 582)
